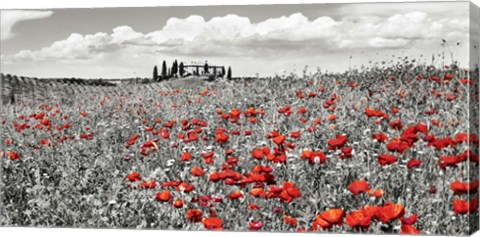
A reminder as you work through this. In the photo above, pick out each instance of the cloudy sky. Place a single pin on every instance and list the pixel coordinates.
(266, 39)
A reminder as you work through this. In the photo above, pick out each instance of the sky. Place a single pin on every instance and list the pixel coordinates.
(253, 40)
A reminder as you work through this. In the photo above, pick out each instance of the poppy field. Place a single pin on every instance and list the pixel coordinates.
(386, 150)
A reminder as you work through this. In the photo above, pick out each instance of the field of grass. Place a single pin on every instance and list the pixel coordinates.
(385, 150)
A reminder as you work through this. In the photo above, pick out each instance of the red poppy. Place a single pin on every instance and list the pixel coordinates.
(358, 186)
(184, 187)
(295, 134)
(346, 152)
(358, 219)
(148, 184)
(409, 220)
(378, 193)
(194, 215)
(452, 161)
(409, 230)
(255, 225)
(328, 218)
(386, 159)
(208, 157)
(464, 207)
(390, 211)
(13, 155)
(178, 203)
(380, 137)
(374, 113)
(258, 153)
(413, 163)
(164, 196)
(338, 142)
(197, 172)
(258, 192)
(396, 124)
(289, 220)
(235, 195)
(302, 110)
(253, 206)
(186, 156)
(460, 188)
(213, 223)
(279, 140)
(397, 145)
(313, 157)
(134, 176)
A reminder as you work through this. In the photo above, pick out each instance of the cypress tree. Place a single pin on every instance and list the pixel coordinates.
(229, 73)
(155, 73)
(164, 69)
(181, 70)
(174, 68)
(223, 71)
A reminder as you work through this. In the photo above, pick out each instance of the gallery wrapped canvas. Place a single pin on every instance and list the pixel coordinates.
(325, 118)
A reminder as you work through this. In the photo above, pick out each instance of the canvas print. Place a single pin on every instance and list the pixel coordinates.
(325, 118)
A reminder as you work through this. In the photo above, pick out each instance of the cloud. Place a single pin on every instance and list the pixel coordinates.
(10, 17)
(235, 38)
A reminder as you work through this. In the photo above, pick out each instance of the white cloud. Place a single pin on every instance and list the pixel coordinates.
(233, 36)
(10, 17)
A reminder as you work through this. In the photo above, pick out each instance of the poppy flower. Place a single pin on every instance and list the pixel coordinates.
(460, 188)
(358, 219)
(289, 220)
(346, 152)
(13, 155)
(396, 124)
(380, 137)
(148, 184)
(338, 142)
(373, 113)
(194, 215)
(409, 230)
(208, 157)
(134, 176)
(258, 153)
(295, 134)
(279, 140)
(449, 161)
(328, 218)
(378, 193)
(413, 163)
(255, 225)
(198, 172)
(290, 192)
(164, 196)
(386, 159)
(258, 192)
(213, 223)
(184, 187)
(358, 186)
(314, 157)
(464, 207)
(253, 206)
(302, 110)
(178, 203)
(398, 145)
(186, 156)
(390, 211)
(409, 220)
(235, 195)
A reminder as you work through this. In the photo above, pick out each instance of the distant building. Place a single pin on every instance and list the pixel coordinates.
(204, 70)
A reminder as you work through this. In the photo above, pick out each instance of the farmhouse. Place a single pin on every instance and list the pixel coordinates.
(205, 69)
